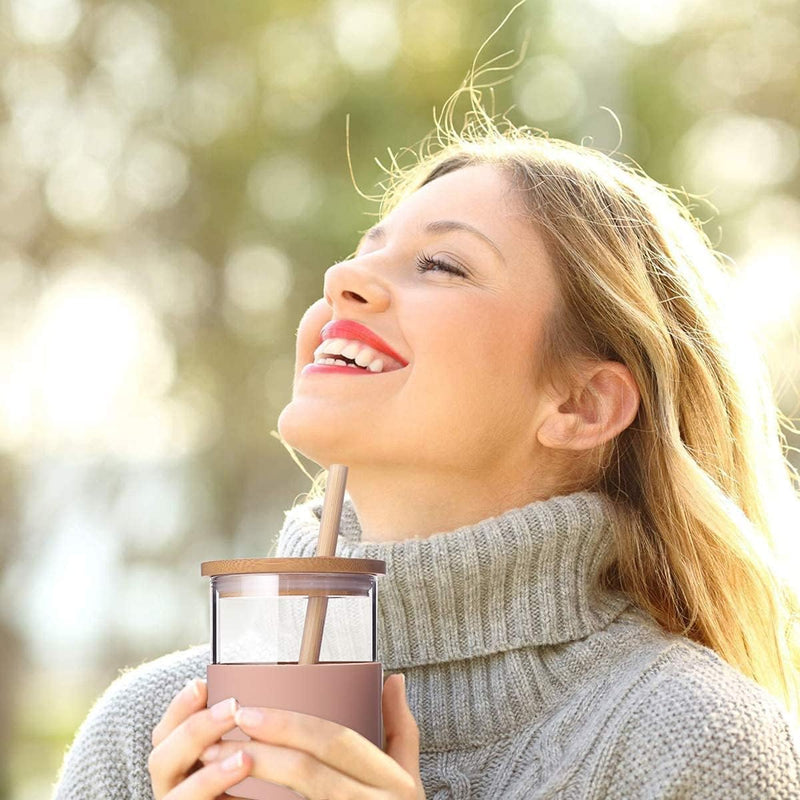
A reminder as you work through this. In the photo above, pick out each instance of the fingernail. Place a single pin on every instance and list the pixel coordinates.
(249, 716)
(233, 762)
(210, 753)
(223, 710)
(192, 688)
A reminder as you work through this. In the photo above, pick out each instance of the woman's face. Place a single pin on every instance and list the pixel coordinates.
(462, 395)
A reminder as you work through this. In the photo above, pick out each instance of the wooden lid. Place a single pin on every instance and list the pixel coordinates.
(248, 566)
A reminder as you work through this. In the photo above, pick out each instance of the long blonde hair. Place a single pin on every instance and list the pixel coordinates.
(703, 492)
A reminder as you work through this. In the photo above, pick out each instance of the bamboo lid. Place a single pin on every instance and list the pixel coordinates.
(315, 564)
(304, 592)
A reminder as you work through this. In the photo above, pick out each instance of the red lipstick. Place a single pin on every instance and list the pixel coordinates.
(349, 329)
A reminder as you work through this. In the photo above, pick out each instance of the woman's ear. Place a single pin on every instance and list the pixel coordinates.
(603, 405)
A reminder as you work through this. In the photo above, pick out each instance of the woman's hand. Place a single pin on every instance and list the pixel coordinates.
(186, 729)
(326, 761)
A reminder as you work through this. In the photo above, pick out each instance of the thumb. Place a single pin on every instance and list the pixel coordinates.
(400, 727)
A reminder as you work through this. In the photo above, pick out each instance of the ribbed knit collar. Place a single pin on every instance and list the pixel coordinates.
(525, 578)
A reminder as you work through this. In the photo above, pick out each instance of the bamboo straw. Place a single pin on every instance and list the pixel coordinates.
(326, 546)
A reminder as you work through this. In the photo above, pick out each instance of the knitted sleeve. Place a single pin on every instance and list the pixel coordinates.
(708, 733)
(108, 758)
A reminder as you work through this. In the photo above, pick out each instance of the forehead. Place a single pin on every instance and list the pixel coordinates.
(475, 194)
(481, 197)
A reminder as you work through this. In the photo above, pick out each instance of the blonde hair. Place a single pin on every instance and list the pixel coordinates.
(704, 496)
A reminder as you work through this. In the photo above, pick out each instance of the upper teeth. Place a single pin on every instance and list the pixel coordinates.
(362, 354)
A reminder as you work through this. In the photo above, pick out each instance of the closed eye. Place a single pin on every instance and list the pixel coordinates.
(426, 263)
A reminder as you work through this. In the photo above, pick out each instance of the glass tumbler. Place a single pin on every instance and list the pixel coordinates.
(258, 613)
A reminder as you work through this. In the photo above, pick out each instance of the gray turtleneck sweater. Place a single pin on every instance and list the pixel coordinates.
(527, 680)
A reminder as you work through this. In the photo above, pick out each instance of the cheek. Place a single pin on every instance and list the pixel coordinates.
(482, 378)
(485, 343)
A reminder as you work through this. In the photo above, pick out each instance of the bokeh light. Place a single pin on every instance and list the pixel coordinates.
(433, 31)
(285, 188)
(767, 288)
(215, 98)
(647, 23)
(80, 193)
(95, 351)
(154, 173)
(548, 89)
(44, 22)
(731, 155)
(366, 34)
(301, 76)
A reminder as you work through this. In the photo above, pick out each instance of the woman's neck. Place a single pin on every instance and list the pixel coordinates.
(392, 507)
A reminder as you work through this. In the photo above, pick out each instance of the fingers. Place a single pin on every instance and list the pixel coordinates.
(174, 757)
(400, 727)
(331, 744)
(313, 756)
(191, 698)
(211, 781)
(305, 774)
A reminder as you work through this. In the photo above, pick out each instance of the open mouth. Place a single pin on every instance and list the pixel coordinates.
(355, 355)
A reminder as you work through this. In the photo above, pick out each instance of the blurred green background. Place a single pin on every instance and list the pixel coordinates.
(173, 184)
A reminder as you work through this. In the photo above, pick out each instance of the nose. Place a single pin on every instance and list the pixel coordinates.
(351, 284)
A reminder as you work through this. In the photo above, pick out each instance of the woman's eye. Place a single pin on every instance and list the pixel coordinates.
(426, 263)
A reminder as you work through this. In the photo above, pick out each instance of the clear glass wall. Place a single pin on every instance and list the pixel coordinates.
(259, 618)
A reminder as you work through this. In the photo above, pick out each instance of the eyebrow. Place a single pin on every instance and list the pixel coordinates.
(439, 226)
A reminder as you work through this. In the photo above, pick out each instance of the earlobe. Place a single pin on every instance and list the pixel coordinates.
(559, 430)
(607, 403)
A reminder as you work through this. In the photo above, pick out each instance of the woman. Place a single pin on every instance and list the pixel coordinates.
(575, 477)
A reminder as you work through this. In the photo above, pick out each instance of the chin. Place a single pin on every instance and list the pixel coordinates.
(323, 444)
